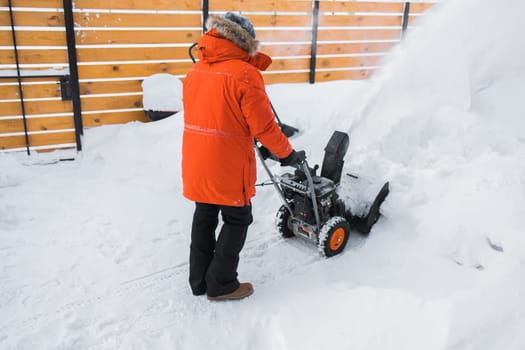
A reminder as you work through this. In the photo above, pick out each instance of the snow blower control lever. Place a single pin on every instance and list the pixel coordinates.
(311, 207)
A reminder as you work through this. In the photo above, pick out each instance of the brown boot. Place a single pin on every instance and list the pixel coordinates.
(244, 290)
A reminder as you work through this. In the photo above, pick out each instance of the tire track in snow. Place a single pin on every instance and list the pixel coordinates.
(150, 282)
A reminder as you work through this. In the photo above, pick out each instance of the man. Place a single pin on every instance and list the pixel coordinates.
(225, 109)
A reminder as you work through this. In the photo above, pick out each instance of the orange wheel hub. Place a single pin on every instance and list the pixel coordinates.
(337, 239)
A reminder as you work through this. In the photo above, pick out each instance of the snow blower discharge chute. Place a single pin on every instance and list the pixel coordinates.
(312, 208)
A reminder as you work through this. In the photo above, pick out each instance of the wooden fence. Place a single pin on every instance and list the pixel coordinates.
(119, 43)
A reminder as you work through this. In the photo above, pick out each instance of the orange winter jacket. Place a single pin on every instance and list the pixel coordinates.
(225, 108)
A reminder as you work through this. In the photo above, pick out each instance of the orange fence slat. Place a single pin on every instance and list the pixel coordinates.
(343, 75)
(132, 70)
(92, 19)
(106, 37)
(132, 53)
(34, 56)
(267, 36)
(36, 124)
(11, 92)
(361, 34)
(363, 21)
(33, 3)
(36, 140)
(293, 77)
(336, 49)
(111, 102)
(353, 6)
(179, 5)
(34, 107)
(109, 87)
(289, 64)
(280, 20)
(33, 19)
(34, 38)
(103, 118)
(347, 62)
(261, 5)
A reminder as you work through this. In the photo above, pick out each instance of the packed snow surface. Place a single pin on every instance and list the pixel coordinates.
(93, 252)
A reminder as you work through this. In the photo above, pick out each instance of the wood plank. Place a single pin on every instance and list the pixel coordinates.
(268, 36)
(32, 3)
(93, 37)
(108, 87)
(261, 5)
(359, 21)
(58, 106)
(132, 54)
(419, 7)
(352, 6)
(343, 75)
(104, 118)
(132, 70)
(347, 62)
(361, 34)
(50, 56)
(94, 19)
(289, 64)
(11, 125)
(225, 5)
(36, 124)
(286, 50)
(280, 20)
(280, 78)
(35, 140)
(35, 107)
(334, 49)
(10, 92)
(34, 38)
(101, 37)
(111, 102)
(181, 5)
(33, 19)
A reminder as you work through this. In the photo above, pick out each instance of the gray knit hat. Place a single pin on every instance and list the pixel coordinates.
(242, 21)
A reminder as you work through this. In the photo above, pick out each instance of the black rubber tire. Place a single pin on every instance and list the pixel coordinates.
(334, 236)
(282, 222)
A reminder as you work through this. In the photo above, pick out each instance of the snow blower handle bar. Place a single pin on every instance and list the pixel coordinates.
(295, 159)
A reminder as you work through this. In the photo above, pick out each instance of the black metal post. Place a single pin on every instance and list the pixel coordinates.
(205, 14)
(19, 77)
(313, 49)
(73, 71)
(404, 23)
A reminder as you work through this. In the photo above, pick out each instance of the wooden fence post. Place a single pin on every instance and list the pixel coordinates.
(73, 71)
(313, 49)
(406, 12)
(205, 13)
(18, 76)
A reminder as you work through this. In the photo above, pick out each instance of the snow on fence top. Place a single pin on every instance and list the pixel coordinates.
(118, 44)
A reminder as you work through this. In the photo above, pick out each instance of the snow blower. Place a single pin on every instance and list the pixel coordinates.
(312, 208)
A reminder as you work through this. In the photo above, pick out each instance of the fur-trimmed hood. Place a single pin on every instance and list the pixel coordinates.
(233, 32)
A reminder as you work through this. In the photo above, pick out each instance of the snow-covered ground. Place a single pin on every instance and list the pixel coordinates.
(93, 252)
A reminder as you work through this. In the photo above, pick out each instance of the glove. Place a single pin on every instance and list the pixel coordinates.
(294, 159)
(265, 152)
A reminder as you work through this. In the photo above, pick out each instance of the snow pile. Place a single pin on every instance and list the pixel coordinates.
(94, 252)
(162, 92)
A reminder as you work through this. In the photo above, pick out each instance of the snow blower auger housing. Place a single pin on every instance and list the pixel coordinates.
(312, 208)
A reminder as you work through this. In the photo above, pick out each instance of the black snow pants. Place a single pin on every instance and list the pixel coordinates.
(213, 262)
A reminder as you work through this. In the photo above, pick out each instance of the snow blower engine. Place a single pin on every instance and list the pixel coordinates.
(311, 206)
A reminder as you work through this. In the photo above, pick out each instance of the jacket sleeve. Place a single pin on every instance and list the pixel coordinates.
(256, 108)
